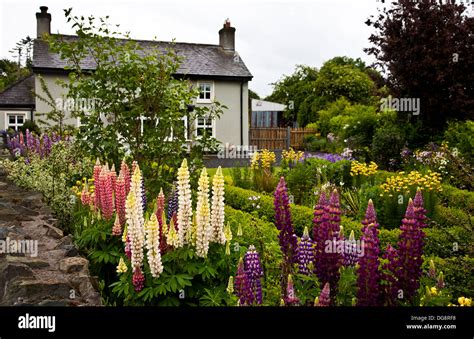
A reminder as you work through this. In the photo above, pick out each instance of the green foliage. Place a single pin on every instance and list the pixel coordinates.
(461, 135)
(454, 197)
(458, 274)
(452, 216)
(52, 176)
(132, 87)
(387, 144)
(297, 88)
(241, 177)
(306, 177)
(337, 80)
(10, 73)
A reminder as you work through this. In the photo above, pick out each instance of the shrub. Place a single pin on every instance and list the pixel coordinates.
(241, 177)
(458, 274)
(52, 176)
(387, 144)
(455, 197)
(452, 216)
(461, 135)
(448, 242)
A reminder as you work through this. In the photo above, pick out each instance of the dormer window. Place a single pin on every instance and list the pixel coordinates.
(205, 92)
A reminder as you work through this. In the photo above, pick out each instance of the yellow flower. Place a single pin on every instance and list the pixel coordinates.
(122, 267)
(434, 291)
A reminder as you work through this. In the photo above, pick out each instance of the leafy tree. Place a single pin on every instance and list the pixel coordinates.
(139, 106)
(427, 50)
(253, 95)
(294, 90)
(346, 80)
(308, 90)
(10, 73)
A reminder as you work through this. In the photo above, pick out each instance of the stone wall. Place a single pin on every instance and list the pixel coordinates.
(57, 275)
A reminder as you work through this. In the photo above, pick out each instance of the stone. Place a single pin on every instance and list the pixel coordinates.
(53, 232)
(10, 271)
(82, 284)
(71, 251)
(34, 263)
(74, 264)
(64, 242)
(37, 290)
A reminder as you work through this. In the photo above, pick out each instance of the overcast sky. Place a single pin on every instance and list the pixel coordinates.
(272, 36)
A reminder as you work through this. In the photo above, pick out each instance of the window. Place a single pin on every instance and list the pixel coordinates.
(205, 92)
(15, 120)
(204, 125)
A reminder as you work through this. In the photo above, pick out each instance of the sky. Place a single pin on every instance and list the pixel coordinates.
(272, 36)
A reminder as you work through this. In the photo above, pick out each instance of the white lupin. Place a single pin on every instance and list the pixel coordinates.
(153, 246)
(217, 208)
(185, 211)
(135, 220)
(203, 227)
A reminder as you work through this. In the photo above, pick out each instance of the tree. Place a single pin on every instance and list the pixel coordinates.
(308, 90)
(293, 90)
(134, 104)
(427, 50)
(10, 73)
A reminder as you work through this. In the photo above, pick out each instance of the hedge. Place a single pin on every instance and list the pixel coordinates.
(458, 274)
(439, 241)
(455, 197)
(452, 216)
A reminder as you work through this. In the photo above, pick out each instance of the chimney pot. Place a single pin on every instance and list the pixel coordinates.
(227, 36)
(43, 22)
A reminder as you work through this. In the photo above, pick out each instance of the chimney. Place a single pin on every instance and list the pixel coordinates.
(43, 22)
(227, 37)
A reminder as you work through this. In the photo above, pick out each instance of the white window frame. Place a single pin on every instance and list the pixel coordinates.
(16, 113)
(205, 101)
(197, 126)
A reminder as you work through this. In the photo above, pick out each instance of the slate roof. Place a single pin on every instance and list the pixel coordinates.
(19, 94)
(198, 59)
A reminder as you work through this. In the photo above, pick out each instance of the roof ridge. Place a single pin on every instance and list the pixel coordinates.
(154, 41)
(17, 82)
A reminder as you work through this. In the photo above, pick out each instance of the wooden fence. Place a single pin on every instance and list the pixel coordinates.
(279, 137)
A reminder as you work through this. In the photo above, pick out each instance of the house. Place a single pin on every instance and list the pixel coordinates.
(266, 113)
(216, 69)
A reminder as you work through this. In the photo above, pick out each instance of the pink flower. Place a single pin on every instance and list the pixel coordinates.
(120, 197)
(125, 172)
(106, 194)
(97, 170)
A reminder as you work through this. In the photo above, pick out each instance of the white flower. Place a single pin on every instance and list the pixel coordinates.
(217, 208)
(185, 211)
(153, 246)
(203, 226)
